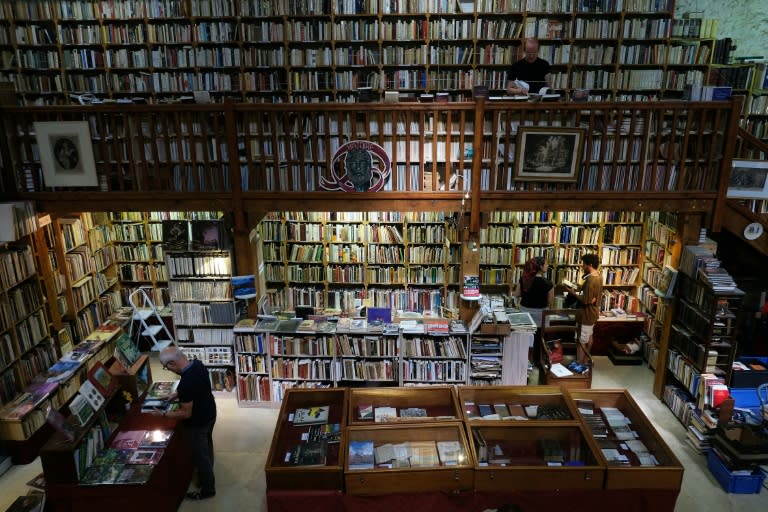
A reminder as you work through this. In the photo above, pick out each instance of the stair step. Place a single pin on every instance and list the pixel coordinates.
(160, 345)
(151, 330)
(142, 314)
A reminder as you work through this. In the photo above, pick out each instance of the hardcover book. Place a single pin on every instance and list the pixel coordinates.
(450, 452)
(361, 455)
(156, 438)
(311, 415)
(81, 409)
(365, 411)
(135, 474)
(101, 475)
(128, 439)
(330, 433)
(312, 453)
(145, 457)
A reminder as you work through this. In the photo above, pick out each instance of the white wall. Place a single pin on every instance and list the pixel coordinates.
(744, 21)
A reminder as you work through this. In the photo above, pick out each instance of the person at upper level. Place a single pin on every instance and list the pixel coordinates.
(532, 70)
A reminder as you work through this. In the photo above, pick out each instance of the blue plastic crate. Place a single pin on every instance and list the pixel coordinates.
(736, 484)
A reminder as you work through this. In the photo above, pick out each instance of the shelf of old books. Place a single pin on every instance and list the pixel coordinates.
(407, 458)
(515, 403)
(402, 405)
(635, 455)
(531, 456)
(306, 449)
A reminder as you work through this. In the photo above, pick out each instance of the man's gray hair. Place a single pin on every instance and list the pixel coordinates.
(170, 354)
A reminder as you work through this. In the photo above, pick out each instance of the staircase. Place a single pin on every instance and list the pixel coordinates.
(147, 320)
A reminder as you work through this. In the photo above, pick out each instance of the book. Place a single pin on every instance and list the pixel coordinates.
(358, 325)
(156, 438)
(61, 370)
(28, 503)
(135, 474)
(101, 474)
(140, 456)
(365, 411)
(160, 396)
(471, 409)
(384, 414)
(306, 326)
(311, 415)
(330, 433)
(128, 349)
(113, 456)
(423, 454)
(127, 439)
(93, 395)
(81, 409)
(361, 455)
(450, 453)
(413, 412)
(312, 453)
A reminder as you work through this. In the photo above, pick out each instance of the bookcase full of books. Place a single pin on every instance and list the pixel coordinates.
(203, 308)
(332, 51)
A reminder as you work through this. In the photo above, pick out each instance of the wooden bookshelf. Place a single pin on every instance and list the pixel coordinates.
(284, 51)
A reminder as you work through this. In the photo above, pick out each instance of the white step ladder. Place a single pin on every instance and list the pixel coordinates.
(144, 309)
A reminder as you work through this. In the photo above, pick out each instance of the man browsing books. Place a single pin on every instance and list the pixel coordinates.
(530, 71)
(197, 410)
(588, 297)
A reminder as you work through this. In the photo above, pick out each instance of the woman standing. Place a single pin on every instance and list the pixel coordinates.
(535, 291)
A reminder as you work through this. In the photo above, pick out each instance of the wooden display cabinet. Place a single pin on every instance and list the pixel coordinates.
(515, 395)
(280, 472)
(668, 474)
(516, 460)
(439, 401)
(453, 477)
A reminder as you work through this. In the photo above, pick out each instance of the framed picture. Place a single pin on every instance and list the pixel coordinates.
(548, 154)
(66, 154)
(748, 179)
(102, 379)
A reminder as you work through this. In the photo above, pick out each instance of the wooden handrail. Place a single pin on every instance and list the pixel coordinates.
(669, 155)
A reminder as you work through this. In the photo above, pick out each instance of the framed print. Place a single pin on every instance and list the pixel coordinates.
(66, 154)
(102, 379)
(548, 154)
(748, 179)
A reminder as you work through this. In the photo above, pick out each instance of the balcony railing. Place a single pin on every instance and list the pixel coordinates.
(241, 151)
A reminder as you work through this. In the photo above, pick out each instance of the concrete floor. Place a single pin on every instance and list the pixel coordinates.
(242, 437)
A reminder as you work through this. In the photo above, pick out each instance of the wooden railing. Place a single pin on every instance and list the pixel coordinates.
(254, 158)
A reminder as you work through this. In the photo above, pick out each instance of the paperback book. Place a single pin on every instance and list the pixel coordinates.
(361, 455)
(311, 415)
(128, 439)
(135, 474)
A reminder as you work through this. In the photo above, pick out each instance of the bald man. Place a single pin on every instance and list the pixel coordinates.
(197, 411)
(530, 69)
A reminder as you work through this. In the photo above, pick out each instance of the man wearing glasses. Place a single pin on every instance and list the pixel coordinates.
(197, 410)
(530, 69)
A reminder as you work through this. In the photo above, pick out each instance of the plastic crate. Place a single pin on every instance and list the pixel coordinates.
(735, 484)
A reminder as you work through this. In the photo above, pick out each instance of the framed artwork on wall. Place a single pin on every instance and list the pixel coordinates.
(748, 179)
(548, 154)
(66, 153)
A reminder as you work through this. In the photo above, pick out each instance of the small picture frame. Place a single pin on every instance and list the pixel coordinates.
(104, 381)
(66, 153)
(548, 154)
(748, 179)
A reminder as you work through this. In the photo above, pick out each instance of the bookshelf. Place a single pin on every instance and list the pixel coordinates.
(306, 52)
(702, 342)
(203, 309)
(404, 261)
(26, 347)
(661, 250)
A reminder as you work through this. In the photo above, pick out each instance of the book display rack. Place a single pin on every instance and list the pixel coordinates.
(702, 344)
(282, 51)
(647, 462)
(295, 461)
(547, 439)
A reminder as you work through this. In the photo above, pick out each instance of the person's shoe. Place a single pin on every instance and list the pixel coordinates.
(200, 495)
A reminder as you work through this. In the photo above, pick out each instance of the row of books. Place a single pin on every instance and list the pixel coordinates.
(130, 459)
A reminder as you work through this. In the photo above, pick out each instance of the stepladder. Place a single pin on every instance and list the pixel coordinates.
(146, 320)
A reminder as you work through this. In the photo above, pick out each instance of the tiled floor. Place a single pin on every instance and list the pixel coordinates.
(242, 437)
